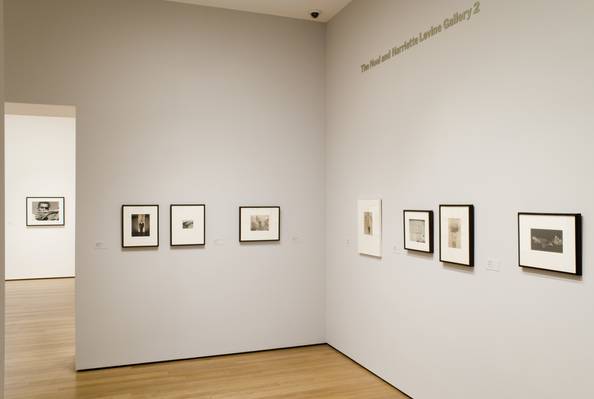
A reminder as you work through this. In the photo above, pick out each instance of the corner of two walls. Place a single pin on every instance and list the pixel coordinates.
(457, 118)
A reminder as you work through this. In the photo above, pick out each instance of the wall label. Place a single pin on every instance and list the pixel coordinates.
(448, 22)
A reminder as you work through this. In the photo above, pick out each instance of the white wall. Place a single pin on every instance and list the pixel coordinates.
(496, 112)
(180, 103)
(40, 162)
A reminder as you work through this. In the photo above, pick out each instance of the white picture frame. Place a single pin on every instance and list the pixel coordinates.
(45, 211)
(140, 226)
(369, 227)
(456, 234)
(259, 223)
(187, 225)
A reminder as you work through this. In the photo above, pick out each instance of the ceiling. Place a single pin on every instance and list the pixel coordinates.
(284, 8)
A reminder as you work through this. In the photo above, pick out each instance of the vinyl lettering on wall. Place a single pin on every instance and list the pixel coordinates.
(431, 32)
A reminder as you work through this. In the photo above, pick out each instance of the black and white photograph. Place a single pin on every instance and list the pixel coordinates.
(418, 231)
(140, 226)
(456, 234)
(550, 241)
(45, 211)
(259, 223)
(547, 240)
(187, 225)
(369, 223)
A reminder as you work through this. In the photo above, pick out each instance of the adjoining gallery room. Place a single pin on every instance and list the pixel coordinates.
(298, 199)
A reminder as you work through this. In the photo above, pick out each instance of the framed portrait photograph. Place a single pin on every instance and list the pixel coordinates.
(187, 225)
(550, 241)
(140, 226)
(418, 231)
(456, 234)
(369, 238)
(45, 211)
(259, 223)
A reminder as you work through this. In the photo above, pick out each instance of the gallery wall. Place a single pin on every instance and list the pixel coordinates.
(495, 112)
(39, 162)
(184, 104)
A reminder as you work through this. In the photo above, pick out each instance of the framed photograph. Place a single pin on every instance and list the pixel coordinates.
(550, 241)
(370, 227)
(259, 223)
(45, 211)
(418, 231)
(187, 225)
(456, 234)
(140, 226)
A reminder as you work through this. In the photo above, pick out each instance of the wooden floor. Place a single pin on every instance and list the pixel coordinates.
(40, 362)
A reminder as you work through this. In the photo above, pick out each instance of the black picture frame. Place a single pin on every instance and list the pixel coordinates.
(470, 226)
(203, 243)
(62, 199)
(578, 242)
(430, 218)
(122, 225)
(277, 239)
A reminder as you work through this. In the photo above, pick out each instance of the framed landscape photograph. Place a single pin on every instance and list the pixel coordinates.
(45, 211)
(259, 223)
(187, 225)
(418, 231)
(550, 241)
(369, 216)
(456, 234)
(140, 226)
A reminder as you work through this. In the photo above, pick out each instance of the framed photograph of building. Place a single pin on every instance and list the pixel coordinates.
(456, 234)
(140, 226)
(45, 211)
(187, 225)
(550, 241)
(259, 223)
(369, 216)
(418, 231)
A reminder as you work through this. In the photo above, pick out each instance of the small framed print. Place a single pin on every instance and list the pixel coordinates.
(370, 227)
(550, 241)
(418, 231)
(140, 226)
(187, 225)
(456, 234)
(45, 211)
(259, 223)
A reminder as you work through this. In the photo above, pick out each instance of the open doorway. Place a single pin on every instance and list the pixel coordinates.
(40, 187)
(40, 205)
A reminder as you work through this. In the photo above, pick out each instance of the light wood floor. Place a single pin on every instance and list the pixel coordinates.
(40, 362)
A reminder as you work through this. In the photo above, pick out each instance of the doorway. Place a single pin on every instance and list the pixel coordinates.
(40, 190)
(40, 213)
